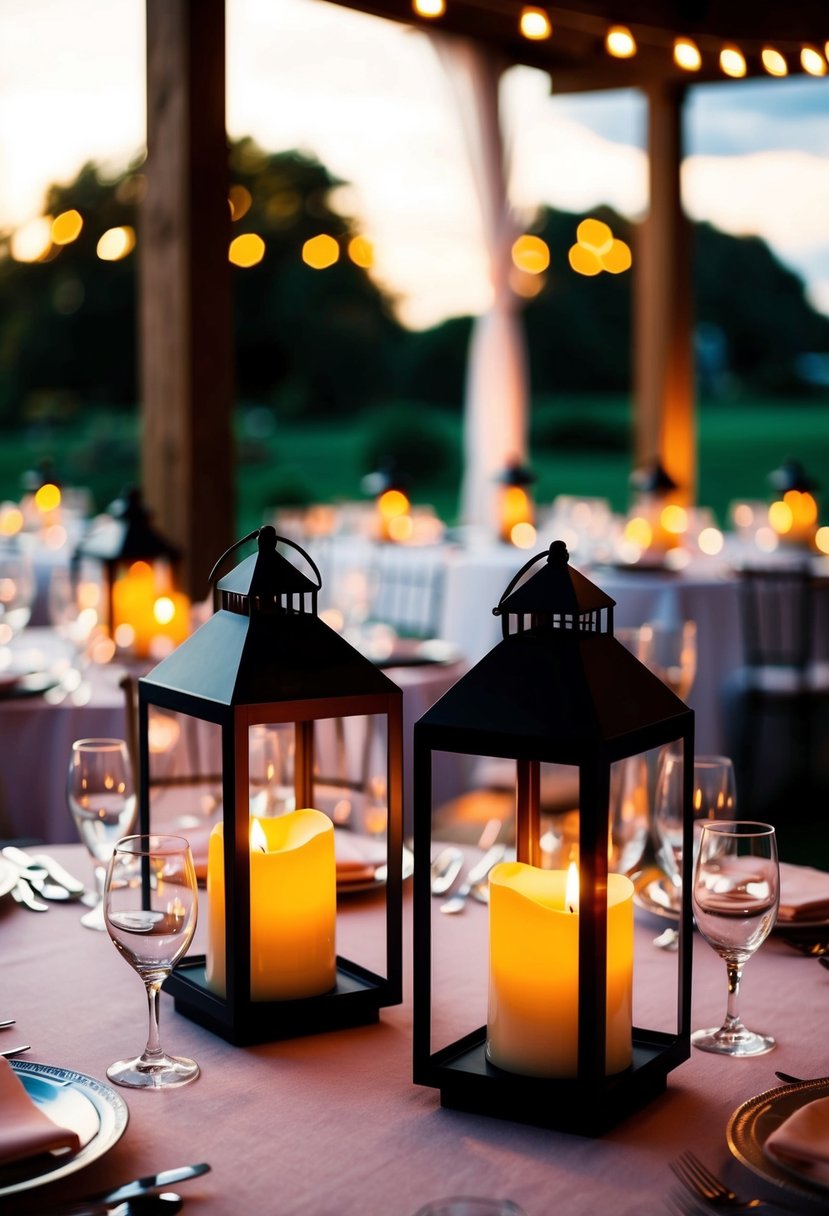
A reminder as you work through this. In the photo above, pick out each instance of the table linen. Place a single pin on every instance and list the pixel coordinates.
(332, 1123)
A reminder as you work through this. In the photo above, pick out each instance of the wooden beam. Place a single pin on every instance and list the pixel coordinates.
(185, 301)
(665, 423)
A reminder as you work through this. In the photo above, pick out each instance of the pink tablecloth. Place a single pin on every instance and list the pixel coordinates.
(332, 1124)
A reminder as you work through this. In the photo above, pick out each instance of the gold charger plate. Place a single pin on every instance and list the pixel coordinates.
(752, 1123)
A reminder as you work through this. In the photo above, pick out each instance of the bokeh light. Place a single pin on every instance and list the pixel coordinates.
(710, 541)
(595, 235)
(638, 531)
(773, 62)
(822, 539)
(320, 252)
(535, 24)
(686, 55)
(619, 42)
(429, 8)
(531, 254)
(32, 241)
(240, 200)
(66, 227)
(523, 535)
(47, 497)
(618, 257)
(732, 62)
(674, 519)
(813, 62)
(361, 252)
(245, 250)
(392, 503)
(11, 519)
(116, 243)
(584, 260)
(781, 517)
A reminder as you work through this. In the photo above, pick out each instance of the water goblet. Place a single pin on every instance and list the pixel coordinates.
(714, 797)
(735, 894)
(671, 654)
(101, 796)
(152, 928)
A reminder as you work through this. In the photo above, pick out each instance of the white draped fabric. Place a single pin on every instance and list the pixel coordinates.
(496, 394)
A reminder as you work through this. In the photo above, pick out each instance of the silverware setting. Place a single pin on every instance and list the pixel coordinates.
(40, 878)
(706, 1186)
(140, 1197)
(475, 877)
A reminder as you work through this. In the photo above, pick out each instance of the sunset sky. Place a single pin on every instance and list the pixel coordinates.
(370, 99)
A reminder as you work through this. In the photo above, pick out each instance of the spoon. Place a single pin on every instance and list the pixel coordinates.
(445, 869)
(475, 875)
(159, 1203)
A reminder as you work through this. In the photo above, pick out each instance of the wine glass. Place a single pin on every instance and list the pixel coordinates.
(101, 796)
(736, 890)
(671, 654)
(714, 797)
(152, 930)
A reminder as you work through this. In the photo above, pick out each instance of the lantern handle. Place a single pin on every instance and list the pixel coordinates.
(556, 554)
(267, 533)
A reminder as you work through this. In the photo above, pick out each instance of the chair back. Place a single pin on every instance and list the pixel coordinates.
(777, 613)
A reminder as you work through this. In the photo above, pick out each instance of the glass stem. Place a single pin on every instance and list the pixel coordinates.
(153, 1049)
(732, 1016)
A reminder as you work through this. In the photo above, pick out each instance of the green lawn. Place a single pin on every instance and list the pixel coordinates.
(580, 446)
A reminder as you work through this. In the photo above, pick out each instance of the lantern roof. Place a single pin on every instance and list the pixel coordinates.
(264, 644)
(560, 686)
(554, 589)
(126, 534)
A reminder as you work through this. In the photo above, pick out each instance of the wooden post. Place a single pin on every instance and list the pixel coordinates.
(185, 304)
(665, 423)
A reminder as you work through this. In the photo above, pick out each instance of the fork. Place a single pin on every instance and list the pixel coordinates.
(708, 1187)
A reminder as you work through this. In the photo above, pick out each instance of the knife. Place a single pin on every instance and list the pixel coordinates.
(140, 1186)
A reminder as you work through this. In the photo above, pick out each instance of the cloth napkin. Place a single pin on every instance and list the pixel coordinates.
(804, 893)
(26, 1130)
(801, 1142)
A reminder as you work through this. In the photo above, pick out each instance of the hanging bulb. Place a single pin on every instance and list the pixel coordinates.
(619, 42)
(535, 24)
(773, 62)
(686, 55)
(732, 61)
(812, 61)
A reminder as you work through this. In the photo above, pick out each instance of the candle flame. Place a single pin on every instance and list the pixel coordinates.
(258, 840)
(571, 888)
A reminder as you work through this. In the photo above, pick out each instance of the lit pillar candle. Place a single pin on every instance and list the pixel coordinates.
(293, 907)
(534, 971)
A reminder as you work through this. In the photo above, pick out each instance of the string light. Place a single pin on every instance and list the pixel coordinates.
(773, 62)
(620, 43)
(535, 24)
(686, 55)
(732, 62)
(429, 8)
(812, 61)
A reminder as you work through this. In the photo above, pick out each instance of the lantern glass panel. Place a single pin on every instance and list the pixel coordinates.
(344, 760)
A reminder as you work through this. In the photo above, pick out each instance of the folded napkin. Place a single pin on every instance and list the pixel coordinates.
(801, 1142)
(25, 1129)
(804, 893)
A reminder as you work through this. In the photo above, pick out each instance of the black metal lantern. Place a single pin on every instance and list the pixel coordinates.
(558, 689)
(265, 659)
(140, 570)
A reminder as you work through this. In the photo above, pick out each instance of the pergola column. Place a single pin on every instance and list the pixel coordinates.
(185, 290)
(664, 414)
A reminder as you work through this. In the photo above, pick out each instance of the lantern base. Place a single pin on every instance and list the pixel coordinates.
(355, 1000)
(468, 1081)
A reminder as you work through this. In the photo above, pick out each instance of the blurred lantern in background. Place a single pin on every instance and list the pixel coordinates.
(389, 487)
(794, 512)
(516, 510)
(146, 615)
(657, 520)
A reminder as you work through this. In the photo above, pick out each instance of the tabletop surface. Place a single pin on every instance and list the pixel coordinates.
(332, 1123)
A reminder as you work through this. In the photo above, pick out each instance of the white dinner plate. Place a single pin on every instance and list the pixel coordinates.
(8, 876)
(88, 1107)
(753, 1122)
(378, 879)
